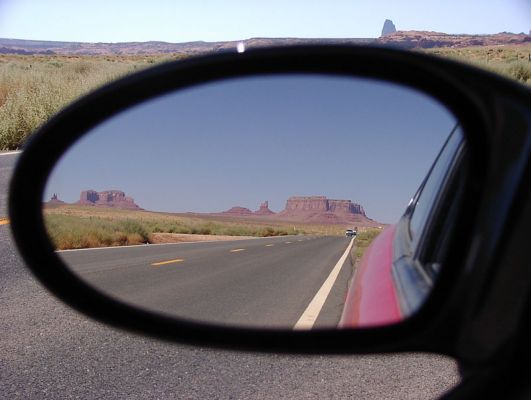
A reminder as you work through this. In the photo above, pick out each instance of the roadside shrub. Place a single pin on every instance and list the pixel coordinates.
(520, 71)
(134, 229)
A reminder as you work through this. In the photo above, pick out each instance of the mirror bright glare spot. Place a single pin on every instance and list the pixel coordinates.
(250, 201)
(240, 47)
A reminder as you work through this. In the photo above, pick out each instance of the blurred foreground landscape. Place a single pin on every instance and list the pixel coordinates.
(38, 78)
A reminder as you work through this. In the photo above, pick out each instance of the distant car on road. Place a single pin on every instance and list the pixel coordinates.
(350, 233)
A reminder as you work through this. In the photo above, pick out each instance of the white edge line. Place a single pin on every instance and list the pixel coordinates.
(309, 316)
(164, 244)
(10, 152)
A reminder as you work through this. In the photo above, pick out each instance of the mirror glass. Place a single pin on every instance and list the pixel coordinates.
(251, 201)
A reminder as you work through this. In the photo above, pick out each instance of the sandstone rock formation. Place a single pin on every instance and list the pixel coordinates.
(238, 212)
(388, 27)
(264, 209)
(108, 198)
(308, 209)
(319, 209)
(299, 204)
(54, 201)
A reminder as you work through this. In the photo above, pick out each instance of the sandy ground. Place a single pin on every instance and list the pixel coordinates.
(184, 237)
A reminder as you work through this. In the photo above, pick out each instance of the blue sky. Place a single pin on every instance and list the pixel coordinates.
(244, 141)
(210, 20)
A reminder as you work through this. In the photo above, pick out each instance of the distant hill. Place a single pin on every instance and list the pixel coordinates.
(17, 46)
(400, 39)
(427, 40)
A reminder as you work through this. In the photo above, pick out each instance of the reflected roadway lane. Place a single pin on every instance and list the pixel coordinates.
(50, 351)
(7, 162)
(265, 282)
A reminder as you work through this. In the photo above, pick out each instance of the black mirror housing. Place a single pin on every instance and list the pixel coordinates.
(437, 326)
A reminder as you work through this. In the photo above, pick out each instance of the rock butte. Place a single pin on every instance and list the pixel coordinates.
(388, 27)
(321, 210)
(264, 209)
(108, 198)
(245, 212)
(238, 211)
(54, 201)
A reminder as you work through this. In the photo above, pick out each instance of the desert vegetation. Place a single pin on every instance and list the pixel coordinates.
(35, 87)
(75, 227)
(72, 232)
(513, 62)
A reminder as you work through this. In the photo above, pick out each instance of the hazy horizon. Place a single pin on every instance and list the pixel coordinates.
(243, 141)
(232, 20)
(243, 39)
(236, 204)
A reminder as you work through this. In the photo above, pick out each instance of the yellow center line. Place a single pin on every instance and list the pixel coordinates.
(177, 260)
(236, 250)
(4, 221)
(269, 245)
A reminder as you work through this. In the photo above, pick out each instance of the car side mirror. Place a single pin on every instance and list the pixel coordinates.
(206, 200)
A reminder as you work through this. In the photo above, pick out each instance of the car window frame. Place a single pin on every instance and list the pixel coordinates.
(438, 196)
(414, 270)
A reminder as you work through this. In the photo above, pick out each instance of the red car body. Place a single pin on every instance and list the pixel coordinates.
(397, 271)
(372, 299)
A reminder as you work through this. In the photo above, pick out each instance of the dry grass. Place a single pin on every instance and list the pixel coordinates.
(71, 232)
(73, 227)
(513, 62)
(185, 237)
(33, 88)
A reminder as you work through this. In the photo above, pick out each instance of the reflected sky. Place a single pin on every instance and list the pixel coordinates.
(244, 141)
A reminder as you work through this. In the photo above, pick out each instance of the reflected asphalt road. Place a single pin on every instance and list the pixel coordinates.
(49, 351)
(7, 162)
(265, 282)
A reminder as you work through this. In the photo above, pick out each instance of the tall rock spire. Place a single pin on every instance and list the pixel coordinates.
(388, 27)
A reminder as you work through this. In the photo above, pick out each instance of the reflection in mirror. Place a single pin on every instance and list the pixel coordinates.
(251, 201)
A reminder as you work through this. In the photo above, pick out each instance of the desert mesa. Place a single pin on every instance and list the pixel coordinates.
(301, 209)
(308, 209)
